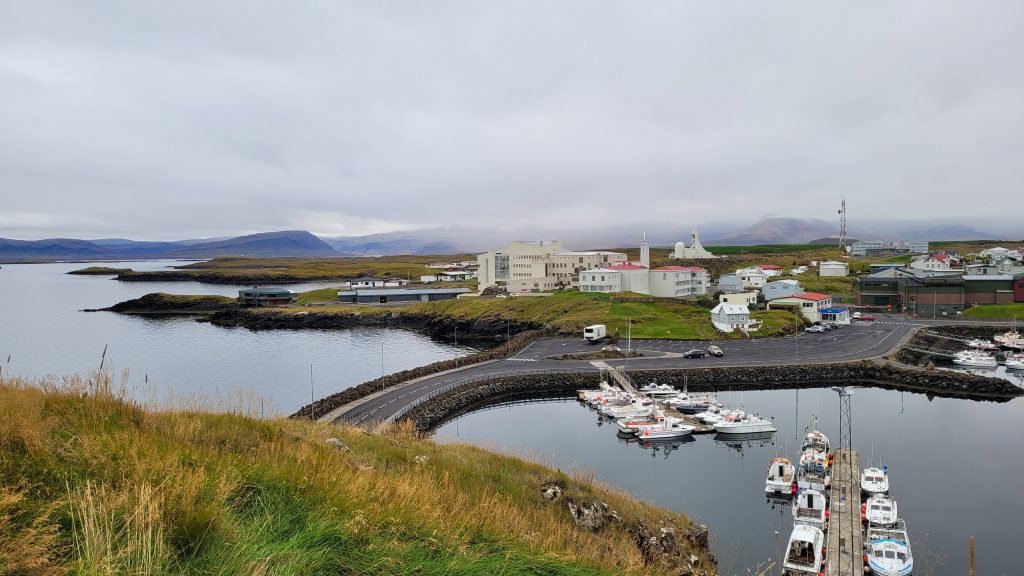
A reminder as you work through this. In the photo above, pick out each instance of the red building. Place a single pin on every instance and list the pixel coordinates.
(1018, 288)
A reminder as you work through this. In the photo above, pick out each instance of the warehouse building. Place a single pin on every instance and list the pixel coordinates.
(398, 296)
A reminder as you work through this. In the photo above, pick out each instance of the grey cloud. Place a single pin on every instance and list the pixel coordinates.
(165, 120)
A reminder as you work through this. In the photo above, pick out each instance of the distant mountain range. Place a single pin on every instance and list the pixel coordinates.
(295, 243)
(771, 229)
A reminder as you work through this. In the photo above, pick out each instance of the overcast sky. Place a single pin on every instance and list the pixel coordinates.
(166, 120)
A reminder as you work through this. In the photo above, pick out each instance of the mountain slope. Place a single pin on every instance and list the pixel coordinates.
(294, 243)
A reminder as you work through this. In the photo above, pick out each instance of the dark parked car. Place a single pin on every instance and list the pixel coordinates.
(715, 351)
(695, 353)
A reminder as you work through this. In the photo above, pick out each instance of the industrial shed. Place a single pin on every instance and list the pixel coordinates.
(398, 296)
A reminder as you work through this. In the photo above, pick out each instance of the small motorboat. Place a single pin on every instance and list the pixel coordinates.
(985, 345)
(1015, 362)
(880, 510)
(653, 389)
(974, 358)
(748, 424)
(888, 550)
(804, 551)
(687, 404)
(809, 508)
(812, 472)
(588, 396)
(1010, 339)
(781, 477)
(634, 411)
(875, 481)
(629, 426)
(664, 430)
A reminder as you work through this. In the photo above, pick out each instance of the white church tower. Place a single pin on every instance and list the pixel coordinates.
(645, 253)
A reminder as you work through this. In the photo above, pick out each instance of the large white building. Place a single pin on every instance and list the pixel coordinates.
(540, 259)
(696, 249)
(601, 280)
(808, 304)
(676, 281)
(730, 317)
(752, 277)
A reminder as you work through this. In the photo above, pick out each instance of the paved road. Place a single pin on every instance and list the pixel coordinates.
(858, 341)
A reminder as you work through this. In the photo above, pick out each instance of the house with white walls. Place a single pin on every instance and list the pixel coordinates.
(731, 317)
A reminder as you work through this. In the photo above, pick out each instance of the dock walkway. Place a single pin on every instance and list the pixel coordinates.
(845, 556)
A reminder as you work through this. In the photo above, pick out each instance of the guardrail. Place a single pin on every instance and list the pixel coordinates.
(482, 378)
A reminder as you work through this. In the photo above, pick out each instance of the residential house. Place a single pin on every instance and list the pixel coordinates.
(729, 283)
(781, 288)
(752, 277)
(748, 299)
(731, 317)
(833, 268)
(770, 270)
(935, 261)
(808, 304)
(370, 282)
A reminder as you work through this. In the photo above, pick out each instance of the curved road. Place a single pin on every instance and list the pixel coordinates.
(854, 342)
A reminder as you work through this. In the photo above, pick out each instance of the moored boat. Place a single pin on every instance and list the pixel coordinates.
(1015, 362)
(875, 481)
(748, 424)
(974, 358)
(653, 389)
(804, 551)
(812, 472)
(816, 442)
(781, 477)
(809, 508)
(666, 429)
(880, 510)
(887, 550)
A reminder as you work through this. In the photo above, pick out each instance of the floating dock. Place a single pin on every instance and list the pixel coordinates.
(845, 551)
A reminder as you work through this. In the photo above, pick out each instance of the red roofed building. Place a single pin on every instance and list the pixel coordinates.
(809, 304)
(937, 261)
(770, 269)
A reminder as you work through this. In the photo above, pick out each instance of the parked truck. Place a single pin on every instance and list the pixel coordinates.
(595, 333)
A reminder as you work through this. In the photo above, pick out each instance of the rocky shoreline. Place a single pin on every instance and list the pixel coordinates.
(213, 278)
(438, 410)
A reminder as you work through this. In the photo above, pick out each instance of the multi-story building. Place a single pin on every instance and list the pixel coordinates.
(748, 299)
(808, 304)
(932, 293)
(780, 289)
(888, 248)
(677, 281)
(729, 283)
(752, 277)
(601, 280)
(523, 260)
(936, 261)
(731, 317)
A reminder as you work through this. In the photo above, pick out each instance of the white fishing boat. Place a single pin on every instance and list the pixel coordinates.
(817, 443)
(687, 404)
(629, 426)
(804, 551)
(875, 481)
(888, 550)
(974, 358)
(636, 410)
(589, 395)
(809, 508)
(748, 424)
(1010, 339)
(666, 429)
(653, 389)
(781, 477)
(713, 415)
(1015, 362)
(880, 510)
(979, 344)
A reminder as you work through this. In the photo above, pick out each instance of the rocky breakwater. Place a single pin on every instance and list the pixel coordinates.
(931, 338)
(433, 325)
(233, 279)
(436, 411)
(324, 405)
(160, 303)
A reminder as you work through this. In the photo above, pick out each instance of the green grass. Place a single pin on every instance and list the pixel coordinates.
(100, 271)
(321, 295)
(91, 483)
(996, 311)
(410, 267)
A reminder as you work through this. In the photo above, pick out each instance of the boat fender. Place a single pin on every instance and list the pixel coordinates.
(826, 514)
(792, 489)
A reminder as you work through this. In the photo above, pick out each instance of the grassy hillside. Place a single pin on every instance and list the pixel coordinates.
(996, 311)
(91, 483)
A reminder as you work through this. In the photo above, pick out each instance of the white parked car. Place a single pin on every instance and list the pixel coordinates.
(818, 328)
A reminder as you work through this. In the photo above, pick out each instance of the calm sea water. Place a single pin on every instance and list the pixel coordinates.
(956, 469)
(43, 332)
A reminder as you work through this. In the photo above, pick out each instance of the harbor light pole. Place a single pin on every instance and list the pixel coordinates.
(629, 342)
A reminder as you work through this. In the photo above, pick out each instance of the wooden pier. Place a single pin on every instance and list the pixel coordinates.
(845, 551)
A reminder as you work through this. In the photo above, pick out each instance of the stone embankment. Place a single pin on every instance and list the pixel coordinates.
(436, 411)
(160, 303)
(324, 405)
(926, 339)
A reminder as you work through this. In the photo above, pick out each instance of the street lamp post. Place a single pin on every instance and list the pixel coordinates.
(629, 342)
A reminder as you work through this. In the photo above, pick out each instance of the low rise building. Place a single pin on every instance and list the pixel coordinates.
(833, 268)
(752, 277)
(398, 296)
(936, 261)
(729, 283)
(1018, 288)
(525, 285)
(601, 280)
(781, 288)
(837, 315)
(371, 282)
(678, 281)
(748, 299)
(257, 296)
(888, 248)
(808, 304)
(634, 278)
(770, 269)
(731, 317)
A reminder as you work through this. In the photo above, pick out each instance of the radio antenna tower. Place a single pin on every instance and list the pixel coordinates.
(842, 227)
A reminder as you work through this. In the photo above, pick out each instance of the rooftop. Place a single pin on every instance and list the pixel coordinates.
(817, 297)
(680, 268)
(400, 291)
(979, 277)
(626, 267)
(730, 309)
